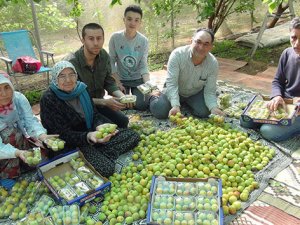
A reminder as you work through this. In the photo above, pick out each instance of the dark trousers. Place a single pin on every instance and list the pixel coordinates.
(116, 117)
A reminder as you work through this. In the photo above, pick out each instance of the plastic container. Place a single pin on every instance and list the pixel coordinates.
(57, 214)
(34, 218)
(207, 217)
(81, 188)
(128, 99)
(67, 193)
(71, 214)
(162, 216)
(95, 181)
(43, 205)
(165, 187)
(184, 218)
(207, 203)
(55, 144)
(185, 203)
(208, 189)
(85, 173)
(163, 202)
(186, 189)
(48, 221)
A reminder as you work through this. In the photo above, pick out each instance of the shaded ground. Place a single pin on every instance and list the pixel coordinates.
(156, 61)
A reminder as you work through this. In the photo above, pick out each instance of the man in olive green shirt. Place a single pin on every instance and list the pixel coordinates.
(92, 64)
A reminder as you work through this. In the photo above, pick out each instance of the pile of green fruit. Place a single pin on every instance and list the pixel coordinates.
(34, 157)
(216, 118)
(143, 127)
(55, 144)
(224, 100)
(105, 129)
(195, 148)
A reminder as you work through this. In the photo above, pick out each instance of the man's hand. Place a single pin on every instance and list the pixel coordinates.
(217, 111)
(275, 102)
(146, 77)
(114, 104)
(121, 87)
(174, 110)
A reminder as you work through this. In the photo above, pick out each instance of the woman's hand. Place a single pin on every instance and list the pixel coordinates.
(91, 137)
(21, 154)
(44, 137)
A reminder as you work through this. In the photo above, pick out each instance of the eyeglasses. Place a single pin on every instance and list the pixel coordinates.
(64, 77)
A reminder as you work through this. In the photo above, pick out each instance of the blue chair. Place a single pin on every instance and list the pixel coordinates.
(18, 43)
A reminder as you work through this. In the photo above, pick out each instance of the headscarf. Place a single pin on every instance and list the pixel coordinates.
(4, 79)
(80, 91)
(10, 115)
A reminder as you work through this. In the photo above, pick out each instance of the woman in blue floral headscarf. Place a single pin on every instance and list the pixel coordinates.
(68, 110)
(17, 123)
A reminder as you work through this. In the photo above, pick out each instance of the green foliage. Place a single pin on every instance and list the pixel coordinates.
(33, 96)
(156, 61)
(113, 2)
(273, 4)
(77, 8)
(17, 15)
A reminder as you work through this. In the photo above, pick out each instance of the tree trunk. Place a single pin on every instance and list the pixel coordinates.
(278, 14)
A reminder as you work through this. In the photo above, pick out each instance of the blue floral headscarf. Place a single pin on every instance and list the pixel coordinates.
(79, 91)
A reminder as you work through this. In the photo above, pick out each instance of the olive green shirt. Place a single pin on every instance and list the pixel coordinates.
(97, 78)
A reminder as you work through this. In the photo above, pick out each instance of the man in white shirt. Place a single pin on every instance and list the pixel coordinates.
(191, 79)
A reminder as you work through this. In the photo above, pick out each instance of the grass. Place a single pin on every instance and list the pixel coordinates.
(33, 97)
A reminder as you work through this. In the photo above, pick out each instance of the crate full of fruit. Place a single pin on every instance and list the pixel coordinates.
(258, 112)
(185, 201)
(72, 179)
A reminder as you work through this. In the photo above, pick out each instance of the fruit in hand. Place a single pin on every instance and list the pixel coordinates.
(128, 99)
(105, 130)
(55, 144)
(32, 158)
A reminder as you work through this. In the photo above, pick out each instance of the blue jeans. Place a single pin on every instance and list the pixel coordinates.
(275, 132)
(160, 106)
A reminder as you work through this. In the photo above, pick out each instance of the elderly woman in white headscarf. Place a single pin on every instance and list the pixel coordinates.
(17, 124)
(67, 109)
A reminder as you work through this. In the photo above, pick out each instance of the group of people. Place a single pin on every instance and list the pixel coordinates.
(74, 106)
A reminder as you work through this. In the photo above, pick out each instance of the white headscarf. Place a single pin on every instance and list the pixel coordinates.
(13, 117)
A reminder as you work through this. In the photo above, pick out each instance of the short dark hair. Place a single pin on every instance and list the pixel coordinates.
(92, 26)
(209, 31)
(134, 8)
(295, 23)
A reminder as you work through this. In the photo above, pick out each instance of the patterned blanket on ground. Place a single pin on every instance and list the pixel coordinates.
(277, 201)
